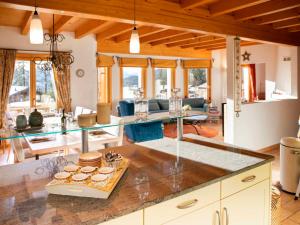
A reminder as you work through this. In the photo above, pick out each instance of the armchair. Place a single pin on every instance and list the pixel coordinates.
(141, 131)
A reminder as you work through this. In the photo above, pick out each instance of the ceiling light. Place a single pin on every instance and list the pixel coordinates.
(36, 29)
(134, 45)
(134, 41)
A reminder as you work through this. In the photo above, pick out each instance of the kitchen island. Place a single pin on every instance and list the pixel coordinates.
(167, 183)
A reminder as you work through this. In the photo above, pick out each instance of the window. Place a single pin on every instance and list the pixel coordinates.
(162, 83)
(104, 84)
(31, 87)
(19, 92)
(198, 83)
(44, 91)
(132, 79)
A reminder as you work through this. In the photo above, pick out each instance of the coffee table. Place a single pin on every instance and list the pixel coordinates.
(195, 120)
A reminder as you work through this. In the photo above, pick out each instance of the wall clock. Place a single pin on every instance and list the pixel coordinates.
(80, 73)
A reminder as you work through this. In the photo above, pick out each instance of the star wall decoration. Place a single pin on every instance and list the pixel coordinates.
(246, 56)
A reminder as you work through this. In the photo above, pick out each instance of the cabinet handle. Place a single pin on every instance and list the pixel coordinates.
(219, 217)
(187, 204)
(249, 179)
(226, 216)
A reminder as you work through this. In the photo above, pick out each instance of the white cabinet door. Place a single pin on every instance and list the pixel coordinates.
(205, 216)
(248, 207)
(135, 218)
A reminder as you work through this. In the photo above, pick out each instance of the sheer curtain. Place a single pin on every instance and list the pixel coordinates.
(7, 67)
(63, 88)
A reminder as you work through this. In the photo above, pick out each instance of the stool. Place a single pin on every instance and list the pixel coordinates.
(298, 191)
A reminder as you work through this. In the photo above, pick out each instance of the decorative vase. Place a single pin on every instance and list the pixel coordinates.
(35, 119)
(21, 122)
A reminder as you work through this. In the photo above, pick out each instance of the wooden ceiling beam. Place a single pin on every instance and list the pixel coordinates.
(160, 35)
(114, 30)
(150, 14)
(294, 29)
(189, 4)
(109, 46)
(26, 23)
(199, 44)
(227, 6)
(90, 27)
(224, 46)
(286, 24)
(183, 37)
(202, 39)
(277, 17)
(143, 31)
(61, 23)
(266, 8)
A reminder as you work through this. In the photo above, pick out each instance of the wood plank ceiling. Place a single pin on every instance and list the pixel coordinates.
(282, 16)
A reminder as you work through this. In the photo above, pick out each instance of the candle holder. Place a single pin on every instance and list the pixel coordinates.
(175, 103)
(140, 105)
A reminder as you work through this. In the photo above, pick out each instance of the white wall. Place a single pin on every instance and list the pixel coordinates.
(263, 124)
(83, 90)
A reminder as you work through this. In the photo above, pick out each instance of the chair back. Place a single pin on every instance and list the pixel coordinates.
(126, 108)
(117, 128)
(16, 144)
(78, 111)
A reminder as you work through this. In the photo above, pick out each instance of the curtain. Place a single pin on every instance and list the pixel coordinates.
(252, 82)
(63, 88)
(7, 67)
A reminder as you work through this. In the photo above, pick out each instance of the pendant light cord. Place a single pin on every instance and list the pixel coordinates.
(134, 14)
(35, 6)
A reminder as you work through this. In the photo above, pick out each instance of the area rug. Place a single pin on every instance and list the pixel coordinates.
(170, 130)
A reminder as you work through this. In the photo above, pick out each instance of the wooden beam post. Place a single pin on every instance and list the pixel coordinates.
(90, 27)
(26, 23)
(61, 23)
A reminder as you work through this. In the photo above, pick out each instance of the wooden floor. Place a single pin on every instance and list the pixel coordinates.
(290, 209)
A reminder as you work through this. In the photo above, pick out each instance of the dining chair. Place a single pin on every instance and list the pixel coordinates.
(116, 128)
(16, 145)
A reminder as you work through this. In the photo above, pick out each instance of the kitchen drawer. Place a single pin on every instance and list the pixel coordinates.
(244, 180)
(182, 205)
(135, 218)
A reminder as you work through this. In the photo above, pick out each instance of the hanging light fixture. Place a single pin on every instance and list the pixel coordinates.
(134, 46)
(36, 28)
(57, 59)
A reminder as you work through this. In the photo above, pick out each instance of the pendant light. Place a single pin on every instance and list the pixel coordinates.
(36, 29)
(134, 46)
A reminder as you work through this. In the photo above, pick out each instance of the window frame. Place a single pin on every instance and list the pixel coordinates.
(173, 75)
(32, 76)
(186, 81)
(144, 79)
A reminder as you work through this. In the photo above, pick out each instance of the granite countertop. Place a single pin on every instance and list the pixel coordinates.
(153, 176)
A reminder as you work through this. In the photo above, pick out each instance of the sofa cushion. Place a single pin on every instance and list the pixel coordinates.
(163, 104)
(194, 102)
(199, 102)
(153, 105)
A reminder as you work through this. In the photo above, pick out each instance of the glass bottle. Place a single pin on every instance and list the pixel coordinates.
(140, 105)
(175, 103)
(63, 123)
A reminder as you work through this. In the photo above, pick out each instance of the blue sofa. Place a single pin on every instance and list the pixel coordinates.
(140, 131)
(162, 105)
